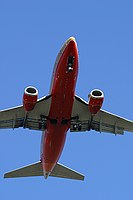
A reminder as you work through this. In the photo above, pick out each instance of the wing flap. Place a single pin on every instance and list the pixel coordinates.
(103, 121)
(15, 117)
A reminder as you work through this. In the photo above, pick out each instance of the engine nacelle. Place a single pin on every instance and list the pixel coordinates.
(30, 98)
(96, 98)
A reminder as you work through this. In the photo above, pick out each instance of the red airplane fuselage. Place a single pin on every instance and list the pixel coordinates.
(62, 91)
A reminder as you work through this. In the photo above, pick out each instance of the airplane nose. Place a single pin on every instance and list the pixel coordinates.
(71, 40)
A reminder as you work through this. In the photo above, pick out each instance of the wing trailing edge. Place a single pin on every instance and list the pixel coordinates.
(103, 121)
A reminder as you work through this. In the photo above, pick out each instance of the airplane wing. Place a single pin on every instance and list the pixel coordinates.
(35, 120)
(103, 121)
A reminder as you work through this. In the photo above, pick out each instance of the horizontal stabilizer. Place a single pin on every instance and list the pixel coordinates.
(27, 171)
(36, 170)
(63, 172)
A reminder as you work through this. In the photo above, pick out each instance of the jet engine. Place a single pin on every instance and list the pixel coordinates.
(30, 98)
(96, 98)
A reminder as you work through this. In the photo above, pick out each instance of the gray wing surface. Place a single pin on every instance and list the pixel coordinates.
(35, 169)
(103, 121)
(35, 120)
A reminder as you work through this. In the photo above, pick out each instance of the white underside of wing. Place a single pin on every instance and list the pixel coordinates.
(103, 121)
(14, 117)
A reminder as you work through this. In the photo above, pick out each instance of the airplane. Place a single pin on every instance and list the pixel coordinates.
(58, 112)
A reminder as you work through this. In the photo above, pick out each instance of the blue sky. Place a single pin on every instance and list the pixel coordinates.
(31, 34)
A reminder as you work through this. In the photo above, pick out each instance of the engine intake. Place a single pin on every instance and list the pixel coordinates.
(96, 98)
(30, 98)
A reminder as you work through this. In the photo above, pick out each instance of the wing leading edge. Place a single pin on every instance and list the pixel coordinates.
(103, 121)
(81, 119)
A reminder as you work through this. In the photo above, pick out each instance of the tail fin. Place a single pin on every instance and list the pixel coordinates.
(36, 170)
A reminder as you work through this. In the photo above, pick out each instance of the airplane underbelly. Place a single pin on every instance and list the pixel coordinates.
(58, 122)
(57, 125)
